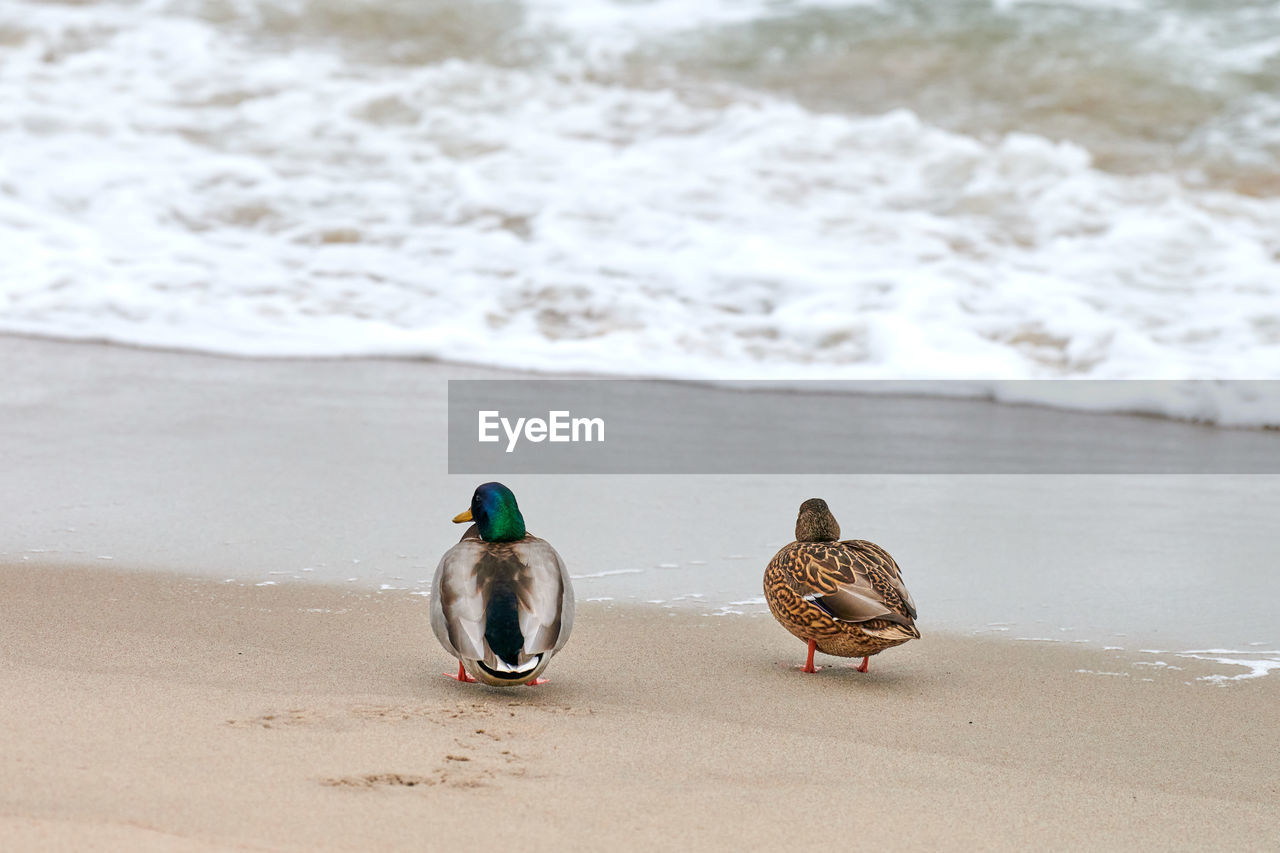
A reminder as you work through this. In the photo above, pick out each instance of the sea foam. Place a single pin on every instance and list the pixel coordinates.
(255, 180)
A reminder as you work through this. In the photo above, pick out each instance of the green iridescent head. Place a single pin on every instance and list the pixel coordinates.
(494, 511)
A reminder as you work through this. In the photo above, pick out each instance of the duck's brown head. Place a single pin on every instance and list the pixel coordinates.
(816, 523)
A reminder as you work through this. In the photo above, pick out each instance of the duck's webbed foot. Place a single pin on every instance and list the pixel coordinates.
(865, 665)
(462, 675)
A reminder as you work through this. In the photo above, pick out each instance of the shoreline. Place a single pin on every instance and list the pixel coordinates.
(1221, 667)
(979, 392)
(193, 714)
(338, 472)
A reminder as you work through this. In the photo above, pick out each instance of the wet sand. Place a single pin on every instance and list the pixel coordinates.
(336, 471)
(147, 712)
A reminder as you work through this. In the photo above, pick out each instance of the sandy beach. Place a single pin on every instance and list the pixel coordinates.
(215, 637)
(144, 712)
(998, 282)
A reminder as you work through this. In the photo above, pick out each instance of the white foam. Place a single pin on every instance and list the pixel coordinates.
(169, 182)
(609, 573)
(1258, 663)
(1101, 672)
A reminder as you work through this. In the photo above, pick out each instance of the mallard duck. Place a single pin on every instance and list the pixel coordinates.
(842, 598)
(501, 600)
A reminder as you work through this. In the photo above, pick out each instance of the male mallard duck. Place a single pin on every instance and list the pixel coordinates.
(842, 598)
(501, 600)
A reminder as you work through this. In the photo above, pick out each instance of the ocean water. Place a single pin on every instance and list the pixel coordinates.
(708, 189)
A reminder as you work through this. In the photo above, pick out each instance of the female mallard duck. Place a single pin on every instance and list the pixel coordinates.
(842, 598)
(501, 600)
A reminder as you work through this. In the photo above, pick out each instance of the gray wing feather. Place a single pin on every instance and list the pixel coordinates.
(546, 613)
(457, 608)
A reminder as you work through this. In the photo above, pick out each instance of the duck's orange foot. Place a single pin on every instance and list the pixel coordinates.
(865, 665)
(808, 664)
(535, 682)
(461, 676)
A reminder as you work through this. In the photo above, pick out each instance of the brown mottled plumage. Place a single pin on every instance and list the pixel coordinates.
(844, 598)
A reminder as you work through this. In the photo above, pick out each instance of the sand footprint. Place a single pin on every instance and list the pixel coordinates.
(370, 781)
